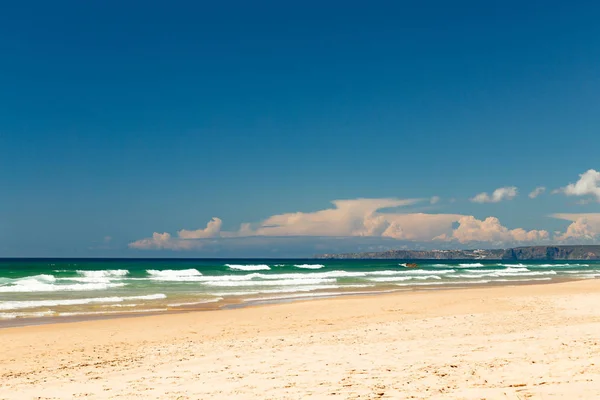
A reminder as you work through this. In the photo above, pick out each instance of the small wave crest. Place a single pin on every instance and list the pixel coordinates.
(48, 283)
(17, 305)
(173, 274)
(107, 273)
(404, 278)
(280, 282)
(258, 267)
(309, 266)
(471, 265)
(14, 315)
(562, 265)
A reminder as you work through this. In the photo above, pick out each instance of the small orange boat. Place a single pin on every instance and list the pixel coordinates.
(411, 265)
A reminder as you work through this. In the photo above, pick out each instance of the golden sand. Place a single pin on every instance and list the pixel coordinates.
(521, 342)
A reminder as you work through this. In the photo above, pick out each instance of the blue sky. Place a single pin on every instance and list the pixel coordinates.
(121, 119)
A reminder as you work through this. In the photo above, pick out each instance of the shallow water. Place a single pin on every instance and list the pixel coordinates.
(37, 288)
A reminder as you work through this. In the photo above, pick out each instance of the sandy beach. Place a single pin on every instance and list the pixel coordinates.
(519, 342)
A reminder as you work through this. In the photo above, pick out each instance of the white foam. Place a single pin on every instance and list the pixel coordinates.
(311, 295)
(515, 269)
(46, 283)
(443, 283)
(74, 314)
(16, 305)
(501, 273)
(259, 267)
(284, 290)
(523, 280)
(472, 265)
(121, 305)
(215, 300)
(107, 273)
(307, 275)
(563, 265)
(309, 266)
(279, 282)
(425, 272)
(173, 274)
(26, 315)
(403, 278)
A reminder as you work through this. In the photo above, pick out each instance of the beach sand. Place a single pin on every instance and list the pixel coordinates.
(521, 342)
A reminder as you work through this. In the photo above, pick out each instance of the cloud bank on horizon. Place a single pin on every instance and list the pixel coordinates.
(385, 218)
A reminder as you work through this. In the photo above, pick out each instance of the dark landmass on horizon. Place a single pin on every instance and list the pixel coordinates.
(583, 252)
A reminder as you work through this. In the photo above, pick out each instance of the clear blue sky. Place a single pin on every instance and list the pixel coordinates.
(122, 118)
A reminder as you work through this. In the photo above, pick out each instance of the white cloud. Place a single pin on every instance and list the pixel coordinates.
(585, 226)
(536, 192)
(471, 229)
(434, 200)
(213, 229)
(587, 185)
(348, 218)
(359, 218)
(503, 193)
(163, 241)
(580, 229)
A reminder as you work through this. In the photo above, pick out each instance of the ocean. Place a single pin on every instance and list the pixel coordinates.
(46, 289)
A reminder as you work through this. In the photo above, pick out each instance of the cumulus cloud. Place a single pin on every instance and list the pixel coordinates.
(585, 226)
(213, 229)
(347, 218)
(536, 192)
(587, 185)
(503, 193)
(358, 218)
(471, 229)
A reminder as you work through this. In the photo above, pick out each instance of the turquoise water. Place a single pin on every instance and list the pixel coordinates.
(31, 288)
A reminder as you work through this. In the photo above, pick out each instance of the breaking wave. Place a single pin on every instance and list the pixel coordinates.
(259, 267)
(173, 274)
(17, 305)
(309, 266)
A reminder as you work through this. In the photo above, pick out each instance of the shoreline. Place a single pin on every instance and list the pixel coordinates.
(492, 342)
(242, 302)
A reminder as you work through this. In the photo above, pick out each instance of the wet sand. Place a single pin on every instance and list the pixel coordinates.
(517, 342)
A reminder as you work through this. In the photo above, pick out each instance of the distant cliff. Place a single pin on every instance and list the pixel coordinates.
(517, 253)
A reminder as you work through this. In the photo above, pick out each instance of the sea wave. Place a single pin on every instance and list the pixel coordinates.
(514, 265)
(309, 266)
(259, 267)
(404, 278)
(292, 296)
(14, 315)
(498, 274)
(194, 303)
(444, 283)
(107, 273)
(48, 283)
(562, 265)
(426, 272)
(16, 305)
(172, 274)
(280, 282)
(289, 289)
(471, 265)
(83, 313)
